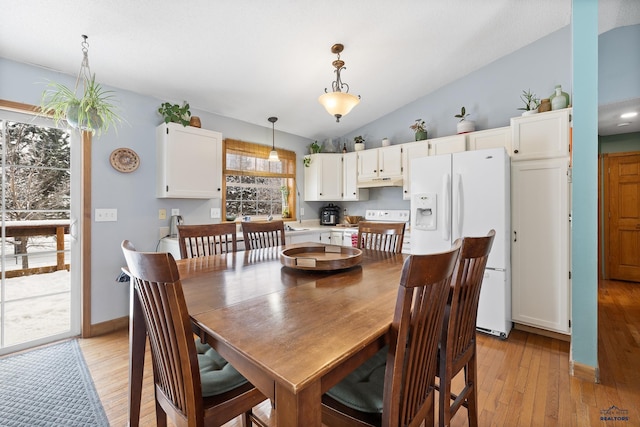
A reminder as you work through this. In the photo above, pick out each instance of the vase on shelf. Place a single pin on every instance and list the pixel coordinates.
(559, 99)
(421, 135)
(358, 146)
(386, 142)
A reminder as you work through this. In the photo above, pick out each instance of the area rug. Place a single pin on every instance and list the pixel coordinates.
(49, 386)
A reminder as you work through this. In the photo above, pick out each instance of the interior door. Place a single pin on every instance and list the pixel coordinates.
(624, 217)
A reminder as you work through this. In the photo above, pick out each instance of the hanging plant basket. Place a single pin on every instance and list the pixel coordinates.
(88, 107)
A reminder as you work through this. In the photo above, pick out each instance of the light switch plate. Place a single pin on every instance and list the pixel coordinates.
(106, 215)
(162, 214)
(175, 211)
(215, 212)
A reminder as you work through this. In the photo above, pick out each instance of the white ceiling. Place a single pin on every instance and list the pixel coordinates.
(251, 59)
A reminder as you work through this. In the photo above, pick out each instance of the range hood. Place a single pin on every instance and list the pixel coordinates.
(381, 182)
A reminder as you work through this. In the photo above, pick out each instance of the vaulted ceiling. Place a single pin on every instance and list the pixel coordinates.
(251, 59)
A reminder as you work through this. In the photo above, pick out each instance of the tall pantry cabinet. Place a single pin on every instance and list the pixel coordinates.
(540, 218)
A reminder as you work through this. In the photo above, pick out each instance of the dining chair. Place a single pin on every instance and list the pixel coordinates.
(207, 239)
(396, 386)
(194, 385)
(457, 348)
(263, 234)
(381, 236)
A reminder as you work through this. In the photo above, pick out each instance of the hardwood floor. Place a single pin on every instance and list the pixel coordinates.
(523, 381)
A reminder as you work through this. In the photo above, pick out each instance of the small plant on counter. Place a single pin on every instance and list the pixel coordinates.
(174, 113)
(530, 101)
(463, 114)
(419, 126)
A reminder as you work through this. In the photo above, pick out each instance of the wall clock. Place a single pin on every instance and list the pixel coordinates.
(124, 160)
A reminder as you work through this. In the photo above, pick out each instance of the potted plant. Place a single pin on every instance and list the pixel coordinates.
(531, 103)
(464, 125)
(358, 143)
(420, 129)
(315, 147)
(306, 161)
(174, 113)
(93, 111)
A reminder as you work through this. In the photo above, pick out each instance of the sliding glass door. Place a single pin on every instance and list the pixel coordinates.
(39, 297)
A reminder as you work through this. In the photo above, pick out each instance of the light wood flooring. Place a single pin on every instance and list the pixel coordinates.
(523, 381)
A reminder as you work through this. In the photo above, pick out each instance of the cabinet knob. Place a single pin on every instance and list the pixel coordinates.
(381, 170)
(515, 151)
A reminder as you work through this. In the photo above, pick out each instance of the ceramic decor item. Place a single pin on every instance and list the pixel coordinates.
(559, 99)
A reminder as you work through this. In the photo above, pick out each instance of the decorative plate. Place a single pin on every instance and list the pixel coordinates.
(124, 160)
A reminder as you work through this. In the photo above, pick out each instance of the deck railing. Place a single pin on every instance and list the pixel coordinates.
(45, 228)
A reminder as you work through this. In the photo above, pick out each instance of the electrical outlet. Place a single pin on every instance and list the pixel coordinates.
(215, 212)
(162, 214)
(301, 211)
(106, 215)
(175, 211)
(163, 232)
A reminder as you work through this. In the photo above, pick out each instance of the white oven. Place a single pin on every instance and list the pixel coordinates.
(350, 234)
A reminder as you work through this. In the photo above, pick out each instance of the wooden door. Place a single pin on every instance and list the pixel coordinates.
(624, 216)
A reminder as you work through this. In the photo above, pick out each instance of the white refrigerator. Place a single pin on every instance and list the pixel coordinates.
(467, 194)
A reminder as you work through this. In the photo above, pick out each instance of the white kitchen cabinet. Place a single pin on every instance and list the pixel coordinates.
(447, 144)
(490, 138)
(323, 177)
(350, 190)
(189, 162)
(410, 151)
(540, 136)
(540, 243)
(384, 162)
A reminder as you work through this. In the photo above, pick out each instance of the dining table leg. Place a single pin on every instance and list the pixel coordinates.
(303, 408)
(137, 342)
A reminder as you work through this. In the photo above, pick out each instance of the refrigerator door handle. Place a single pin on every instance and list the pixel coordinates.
(446, 191)
(459, 204)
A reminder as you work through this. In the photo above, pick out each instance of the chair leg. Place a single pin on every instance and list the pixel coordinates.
(472, 398)
(161, 416)
(444, 394)
(245, 419)
(429, 419)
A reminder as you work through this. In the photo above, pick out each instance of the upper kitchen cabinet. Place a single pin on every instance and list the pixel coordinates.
(350, 190)
(447, 144)
(189, 162)
(410, 151)
(490, 138)
(380, 163)
(323, 177)
(541, 136)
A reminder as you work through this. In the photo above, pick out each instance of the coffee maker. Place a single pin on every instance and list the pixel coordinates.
(329, 214)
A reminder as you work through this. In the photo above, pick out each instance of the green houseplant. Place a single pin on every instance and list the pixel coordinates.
(315, 147)
(464, 125)
(358, 143)
(174, 113)
(531, 103)
(92, 111)
(420, 129)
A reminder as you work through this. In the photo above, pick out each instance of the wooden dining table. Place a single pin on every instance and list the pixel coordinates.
(292, 333)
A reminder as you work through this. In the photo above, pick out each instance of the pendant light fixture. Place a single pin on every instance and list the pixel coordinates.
(273, 154)
(338, 103)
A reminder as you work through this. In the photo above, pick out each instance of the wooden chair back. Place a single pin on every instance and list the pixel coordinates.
(458, 341)
(408, 395)
(176, 373)
(263, 234)
(207, 239)
(381, 236)
(175, 364)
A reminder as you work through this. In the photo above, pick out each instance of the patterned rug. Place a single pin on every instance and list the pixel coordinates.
(50, 386)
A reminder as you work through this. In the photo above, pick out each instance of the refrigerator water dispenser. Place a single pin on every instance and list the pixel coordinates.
(425, 214)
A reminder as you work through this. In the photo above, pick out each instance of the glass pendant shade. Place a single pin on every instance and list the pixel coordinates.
(338, 104)
(273, 156)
